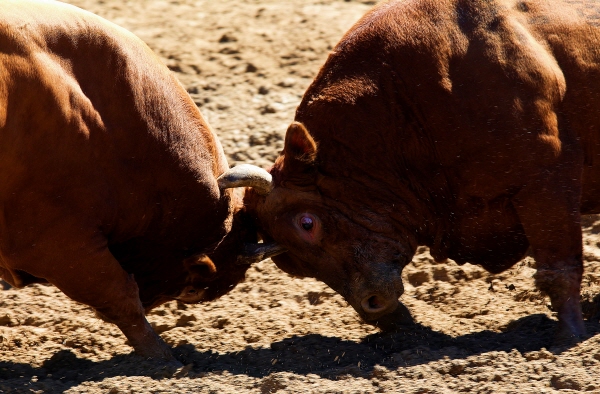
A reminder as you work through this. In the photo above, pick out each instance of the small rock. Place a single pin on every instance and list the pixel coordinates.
(221, 106)
(7, 320)
(220, 323)
(273, 383)
(257, 139)
(227, 37)
(229, 51)
(211, 86)
(380, 372)
(252, 338)
(192, 90)
(287, 83)
(563, 382)
(268, 109)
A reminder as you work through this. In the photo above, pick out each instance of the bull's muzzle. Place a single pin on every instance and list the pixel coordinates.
(374, 292)
(384, 311)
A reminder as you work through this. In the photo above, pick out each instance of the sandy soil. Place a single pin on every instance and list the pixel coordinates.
(246, 65)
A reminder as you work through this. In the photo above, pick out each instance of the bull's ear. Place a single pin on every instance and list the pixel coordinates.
(300, 150)
(200, 268)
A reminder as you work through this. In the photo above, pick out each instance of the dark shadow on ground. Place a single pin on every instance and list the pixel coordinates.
(328, 357)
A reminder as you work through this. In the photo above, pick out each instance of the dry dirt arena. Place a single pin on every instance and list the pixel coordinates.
(246, 65)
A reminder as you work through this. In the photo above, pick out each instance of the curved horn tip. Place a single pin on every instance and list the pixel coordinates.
(254, 253)
(247, 175)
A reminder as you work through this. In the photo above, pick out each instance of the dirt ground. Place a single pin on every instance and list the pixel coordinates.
(246, 65)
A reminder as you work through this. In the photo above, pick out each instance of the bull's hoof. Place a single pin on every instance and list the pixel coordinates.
(568, 335)
(172, 365)
(564, 339)
(162, 355)
(571, 329)
(163, 369)
(155, 349)
(397, 320)
(164, 362)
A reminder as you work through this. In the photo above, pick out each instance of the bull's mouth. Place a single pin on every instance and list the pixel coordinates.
(389, 316)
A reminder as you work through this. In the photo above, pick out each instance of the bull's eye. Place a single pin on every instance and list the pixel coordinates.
(308, 227)
(307, 223)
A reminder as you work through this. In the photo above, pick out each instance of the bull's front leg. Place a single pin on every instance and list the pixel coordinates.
(83, 268)
(125, 309)
(549, 211)
(100, 282)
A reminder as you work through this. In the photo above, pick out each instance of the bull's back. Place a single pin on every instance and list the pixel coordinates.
(490, 90)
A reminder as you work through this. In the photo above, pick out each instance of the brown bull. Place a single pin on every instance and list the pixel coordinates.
(108, 173)
(469, 126)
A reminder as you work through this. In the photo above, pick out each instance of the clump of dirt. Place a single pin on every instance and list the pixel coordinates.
(246, 65)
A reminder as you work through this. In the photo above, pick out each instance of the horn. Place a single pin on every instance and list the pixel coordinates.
(253, 253)
(245, 175)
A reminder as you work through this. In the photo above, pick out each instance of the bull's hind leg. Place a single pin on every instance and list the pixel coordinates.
(84, 269)
(549, 211)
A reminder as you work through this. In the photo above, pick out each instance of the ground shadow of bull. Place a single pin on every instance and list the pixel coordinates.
(328, 357)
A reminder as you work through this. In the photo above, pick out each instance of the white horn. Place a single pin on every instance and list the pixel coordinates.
(247, 175)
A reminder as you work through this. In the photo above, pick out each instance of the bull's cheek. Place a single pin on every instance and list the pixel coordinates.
(287, 265)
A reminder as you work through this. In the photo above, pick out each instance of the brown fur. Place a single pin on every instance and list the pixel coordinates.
(107, 172)
(469, 126)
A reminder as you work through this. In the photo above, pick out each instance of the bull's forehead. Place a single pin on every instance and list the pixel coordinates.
(283, 199)
(357, 208)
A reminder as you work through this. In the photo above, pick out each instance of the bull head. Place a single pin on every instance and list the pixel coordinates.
(247, 175)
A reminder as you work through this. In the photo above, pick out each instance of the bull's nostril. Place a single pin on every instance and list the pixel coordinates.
(374, 304)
